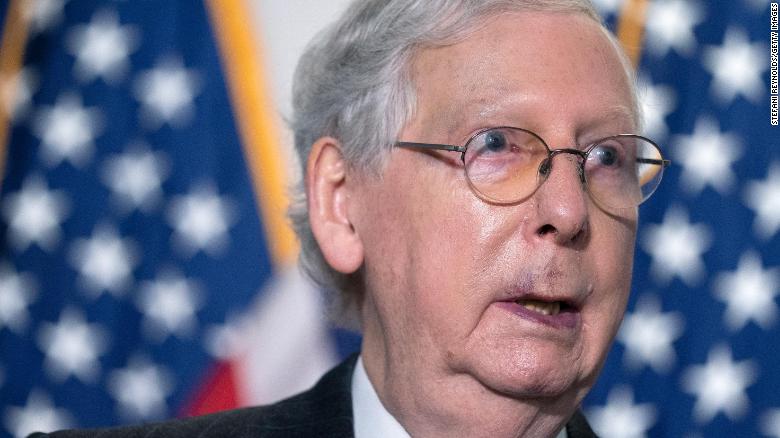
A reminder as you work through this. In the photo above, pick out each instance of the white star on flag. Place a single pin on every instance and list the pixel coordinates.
(706, 157)
(670, 26)
(169, 305)
(43, 14)
(102, 47)
(39, 415)
(135, 178)
(201, 221)
(763, 197)
(223, 341)
(676, 247)
(737, 67)
(16, 91)
(658, 101)
(758, 5)
(770, 424)
(141, 389)
(67, 131)
(104, 261)
(17, 291)
(720, 385)
(72, 347)
(621, 418)
(749, 293)
(648, 334)
(166, 94)
(34, 215)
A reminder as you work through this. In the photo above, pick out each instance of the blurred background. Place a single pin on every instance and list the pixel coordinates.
(146, 269)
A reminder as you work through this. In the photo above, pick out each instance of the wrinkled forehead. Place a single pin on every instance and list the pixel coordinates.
(526, 68)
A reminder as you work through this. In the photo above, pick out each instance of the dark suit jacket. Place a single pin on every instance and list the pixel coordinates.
(323, 411)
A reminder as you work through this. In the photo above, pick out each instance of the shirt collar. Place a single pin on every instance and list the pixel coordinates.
(370, 416)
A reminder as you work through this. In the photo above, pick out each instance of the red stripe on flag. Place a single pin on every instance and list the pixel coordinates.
(218, 392)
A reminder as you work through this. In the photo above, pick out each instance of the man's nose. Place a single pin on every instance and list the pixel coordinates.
(561, 202)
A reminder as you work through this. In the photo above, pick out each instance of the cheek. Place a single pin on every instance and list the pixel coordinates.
(420, 237)
(613, 268)
(447, 252)
(445, 235)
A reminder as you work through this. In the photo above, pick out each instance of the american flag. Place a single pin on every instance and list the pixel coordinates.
(698, 354)
(140, 276)
(141, 255)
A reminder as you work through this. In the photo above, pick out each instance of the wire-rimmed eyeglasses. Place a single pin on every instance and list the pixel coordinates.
(505, 165)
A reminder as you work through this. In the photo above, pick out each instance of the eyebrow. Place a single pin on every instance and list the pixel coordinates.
(482, 107)
(477, 107)
(618, 112)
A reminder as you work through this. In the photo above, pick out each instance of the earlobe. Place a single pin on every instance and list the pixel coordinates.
(328, 195)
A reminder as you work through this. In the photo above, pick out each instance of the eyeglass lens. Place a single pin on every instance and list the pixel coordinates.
(503, 165)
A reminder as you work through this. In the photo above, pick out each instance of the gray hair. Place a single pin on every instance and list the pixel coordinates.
(353, 83)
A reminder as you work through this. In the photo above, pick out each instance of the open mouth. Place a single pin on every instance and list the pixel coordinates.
(560, 314)
(549, 308)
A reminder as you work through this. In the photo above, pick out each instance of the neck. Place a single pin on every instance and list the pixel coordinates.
(451, 404)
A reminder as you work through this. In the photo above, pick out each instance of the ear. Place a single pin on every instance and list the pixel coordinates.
(329, 197)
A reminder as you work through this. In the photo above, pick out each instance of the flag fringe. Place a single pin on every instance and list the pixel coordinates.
(630, 29)
(12, 48)
(253, 109)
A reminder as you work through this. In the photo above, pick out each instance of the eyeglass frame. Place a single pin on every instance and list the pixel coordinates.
(551, 153)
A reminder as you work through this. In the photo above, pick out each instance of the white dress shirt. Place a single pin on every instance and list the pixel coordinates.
(370, 417)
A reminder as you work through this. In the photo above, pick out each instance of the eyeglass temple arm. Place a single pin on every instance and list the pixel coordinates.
(441, 147)
(665, 163)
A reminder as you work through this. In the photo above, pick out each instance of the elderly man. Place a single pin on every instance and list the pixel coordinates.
(471, 190)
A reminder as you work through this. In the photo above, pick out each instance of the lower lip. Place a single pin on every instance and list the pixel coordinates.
(566, 319)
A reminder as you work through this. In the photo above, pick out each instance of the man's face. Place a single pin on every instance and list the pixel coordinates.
(459, 288)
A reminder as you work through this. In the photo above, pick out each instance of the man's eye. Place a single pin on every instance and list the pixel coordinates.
(494, 141)
(606, 155)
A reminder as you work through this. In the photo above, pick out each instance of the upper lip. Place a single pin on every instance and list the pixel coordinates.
(547, 277)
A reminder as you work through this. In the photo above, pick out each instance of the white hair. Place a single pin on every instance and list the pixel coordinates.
(353, 83)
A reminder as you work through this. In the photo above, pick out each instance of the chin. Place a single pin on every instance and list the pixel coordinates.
(525, 372)
(524, 382)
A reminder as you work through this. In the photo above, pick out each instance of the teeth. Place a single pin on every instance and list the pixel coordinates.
(545, 308)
